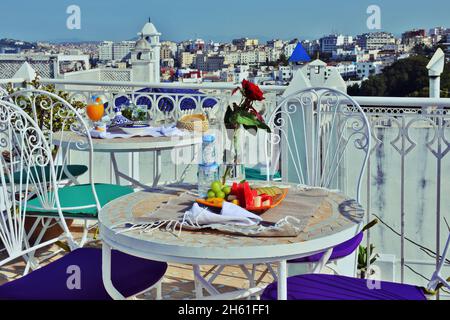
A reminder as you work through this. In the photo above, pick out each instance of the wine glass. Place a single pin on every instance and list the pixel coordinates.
(95, 110)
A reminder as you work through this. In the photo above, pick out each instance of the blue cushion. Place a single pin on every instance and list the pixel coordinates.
(41, 174)
(78, 196)
(340, 251)
(332, 287)
(130, 276)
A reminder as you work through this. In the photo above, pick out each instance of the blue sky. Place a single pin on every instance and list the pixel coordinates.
(45, 20)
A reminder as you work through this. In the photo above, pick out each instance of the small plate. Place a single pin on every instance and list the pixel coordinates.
(134, 130)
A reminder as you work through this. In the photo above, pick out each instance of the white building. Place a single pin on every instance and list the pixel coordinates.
(375, 40)
(346, 69)
(122, 50)
(145, 57)
(284, 73)
(316, 74)
(105, 51)
(117, 51)
(145, 63)
(289, 48)
(365, 69)
(45, 65)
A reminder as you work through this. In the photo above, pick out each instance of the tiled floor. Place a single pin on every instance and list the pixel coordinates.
(177, 283)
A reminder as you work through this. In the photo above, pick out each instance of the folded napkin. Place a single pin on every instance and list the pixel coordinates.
(230, 214)
(170, 131)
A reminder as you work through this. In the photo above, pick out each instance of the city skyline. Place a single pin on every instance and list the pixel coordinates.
(180, 20)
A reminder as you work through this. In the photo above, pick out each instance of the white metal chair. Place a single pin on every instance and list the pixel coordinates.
(78, 274)
(64, 129)
(24, 150)
(312, 131)
(310, 134)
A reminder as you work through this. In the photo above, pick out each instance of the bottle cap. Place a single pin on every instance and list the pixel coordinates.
(209, 138)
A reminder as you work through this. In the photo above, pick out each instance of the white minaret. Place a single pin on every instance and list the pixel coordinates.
(145, 59)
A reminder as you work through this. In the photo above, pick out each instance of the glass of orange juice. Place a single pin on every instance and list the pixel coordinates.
(95, 109)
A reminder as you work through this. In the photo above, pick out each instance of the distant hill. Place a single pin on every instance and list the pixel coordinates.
(12, 43)
(405, 78)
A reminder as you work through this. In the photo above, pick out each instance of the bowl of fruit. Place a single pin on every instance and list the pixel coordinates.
(254, 199)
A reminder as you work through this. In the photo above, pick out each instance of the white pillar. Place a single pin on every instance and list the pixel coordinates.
(435, 68)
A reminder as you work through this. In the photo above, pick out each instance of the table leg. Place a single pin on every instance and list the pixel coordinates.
(157, 168)
(197, 283)
(115, 167)
(106, 273)
(134, 165)
(282, 280)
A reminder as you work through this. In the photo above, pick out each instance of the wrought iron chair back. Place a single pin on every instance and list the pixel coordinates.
(311, 131)
(64, 129)
(25, 153)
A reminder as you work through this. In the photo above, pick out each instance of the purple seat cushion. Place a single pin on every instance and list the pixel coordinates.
(340, 251)
(331, 287)
(130, 275)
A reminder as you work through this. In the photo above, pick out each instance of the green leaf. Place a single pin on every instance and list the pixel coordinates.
(250, 120)
(228, 114)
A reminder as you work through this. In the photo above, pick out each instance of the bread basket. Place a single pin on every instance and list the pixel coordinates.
(193, 122)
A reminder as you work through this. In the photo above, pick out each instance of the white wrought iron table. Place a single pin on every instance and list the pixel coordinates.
(134, 146)
(329, 222)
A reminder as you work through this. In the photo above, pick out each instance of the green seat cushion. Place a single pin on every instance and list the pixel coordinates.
(43, 173)
(81, 195)
(255, 174)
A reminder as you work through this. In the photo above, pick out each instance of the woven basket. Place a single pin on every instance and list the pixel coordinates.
(193, 122)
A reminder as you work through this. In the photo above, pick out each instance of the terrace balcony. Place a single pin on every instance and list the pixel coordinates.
(404, 187)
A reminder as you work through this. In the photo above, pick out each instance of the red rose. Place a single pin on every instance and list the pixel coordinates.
(252, 91)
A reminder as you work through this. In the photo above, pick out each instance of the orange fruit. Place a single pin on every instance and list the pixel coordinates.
(95, 111)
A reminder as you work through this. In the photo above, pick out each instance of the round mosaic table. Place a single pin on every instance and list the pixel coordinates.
(330, 218)
(133, 146)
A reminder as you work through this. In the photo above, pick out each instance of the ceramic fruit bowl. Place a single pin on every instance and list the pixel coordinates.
(257, 200)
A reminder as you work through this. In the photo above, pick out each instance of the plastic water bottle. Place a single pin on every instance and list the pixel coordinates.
(208, 149)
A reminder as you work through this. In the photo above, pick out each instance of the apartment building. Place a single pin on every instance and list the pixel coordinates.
(375, 40)
(331, 42)
(118, 51)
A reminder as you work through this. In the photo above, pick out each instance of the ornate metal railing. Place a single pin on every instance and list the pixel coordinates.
(405, 184)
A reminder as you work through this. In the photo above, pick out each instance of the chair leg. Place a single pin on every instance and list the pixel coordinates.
(32, 261)
(158, 289)
(84, 237)
(346, 266)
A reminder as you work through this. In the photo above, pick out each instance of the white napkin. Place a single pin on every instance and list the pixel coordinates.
(171, 131)
(230, 214)
(98, 134)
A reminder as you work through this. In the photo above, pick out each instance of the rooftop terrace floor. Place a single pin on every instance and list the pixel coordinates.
(178, 282)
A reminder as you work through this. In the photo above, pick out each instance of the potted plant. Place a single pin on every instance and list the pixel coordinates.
(363, 256)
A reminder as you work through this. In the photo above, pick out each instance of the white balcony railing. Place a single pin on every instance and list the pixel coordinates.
(405, 184)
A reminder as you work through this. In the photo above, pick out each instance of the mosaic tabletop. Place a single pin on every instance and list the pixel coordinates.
(325, 213)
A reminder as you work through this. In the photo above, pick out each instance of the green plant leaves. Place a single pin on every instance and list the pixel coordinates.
(250, 121)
